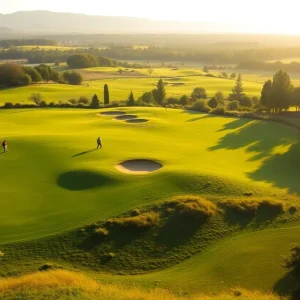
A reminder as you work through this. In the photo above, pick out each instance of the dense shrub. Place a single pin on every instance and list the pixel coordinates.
(199, 93)
(142, 221)
(101, 232)
(184, 100)
(201, 105)
(219, 110)
(172, 100)
(83, 100)
(193, 206)
(233, 105)
(79, 61)
(251, 206)
(43, 103)
(213, 102)
(109, 255)
(73, 77)
(12, 75)
(8, 105)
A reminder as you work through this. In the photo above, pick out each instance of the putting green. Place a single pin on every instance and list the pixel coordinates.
(54, 179)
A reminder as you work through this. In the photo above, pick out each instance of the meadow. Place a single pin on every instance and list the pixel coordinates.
(57, 189)
(178, 82)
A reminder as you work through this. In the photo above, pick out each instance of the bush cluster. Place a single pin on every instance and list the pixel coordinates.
(144, 220)
(193, 206)
(251, 206)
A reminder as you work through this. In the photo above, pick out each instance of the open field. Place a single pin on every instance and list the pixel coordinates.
(65, 184)
(120, 88)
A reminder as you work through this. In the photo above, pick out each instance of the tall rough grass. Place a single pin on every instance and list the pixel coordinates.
(62, 285)
(251, 206)
(193, 206)
(143, 221)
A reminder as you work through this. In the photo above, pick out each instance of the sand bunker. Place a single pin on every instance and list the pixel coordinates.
(126, 117)
(137, 121)
(113, 113)
(138, 166)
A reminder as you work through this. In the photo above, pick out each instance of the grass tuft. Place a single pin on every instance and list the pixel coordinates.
(62, 284)
(251, 206)
(194, 206)
(142, 221)
(101, 232)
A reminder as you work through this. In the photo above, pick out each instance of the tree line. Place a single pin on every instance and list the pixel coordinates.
(16, 75)
(269, 66)
(118, 52)
(26, 42)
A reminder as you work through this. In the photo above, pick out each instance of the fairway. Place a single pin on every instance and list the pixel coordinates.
(53, 157)
(120, 88)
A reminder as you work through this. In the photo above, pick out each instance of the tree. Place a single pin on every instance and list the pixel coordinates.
(36, 98)
(147, 97)
(26, 80)
(83, 100)
(296, 98)
(150, 71)
(95, 102)
(238, 90)
(266, 95)
(73, 77)
(131, 101)
(233, 76)
(199, 93)
(184, 100)
(246, 101)
(106, 62)
(224, 75)
(45, 71)
(34, 74)
(220, 97)
(233, 105)
(11, 75)
(79, 61)
(205, 69)
(159, 93)
(213, 102)
(56, 76)
(281, 91)
(106, 94)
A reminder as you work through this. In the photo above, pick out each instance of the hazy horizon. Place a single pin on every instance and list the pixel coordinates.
(251, 17)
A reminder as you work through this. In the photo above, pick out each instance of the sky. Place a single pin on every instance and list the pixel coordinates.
(274, 16)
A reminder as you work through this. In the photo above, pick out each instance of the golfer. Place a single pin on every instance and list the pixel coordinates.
(4, 145)
(99, 143)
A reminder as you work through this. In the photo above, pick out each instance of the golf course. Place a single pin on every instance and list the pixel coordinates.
(188, 202)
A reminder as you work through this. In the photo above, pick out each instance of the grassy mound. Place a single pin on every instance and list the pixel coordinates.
(192, 206)
(63, 285)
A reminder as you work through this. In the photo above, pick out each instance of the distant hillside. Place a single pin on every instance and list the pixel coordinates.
(45, 21)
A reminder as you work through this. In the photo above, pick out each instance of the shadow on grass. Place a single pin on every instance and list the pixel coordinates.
(178, 230)
(286, 285)
(83, 180)
(84, 152)
(275, 145)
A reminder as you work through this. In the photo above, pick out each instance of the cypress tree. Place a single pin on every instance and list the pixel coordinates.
(266, 97)
(160, 92)
(238, 90)
(106, 94)
(95, 102)
(131, 101)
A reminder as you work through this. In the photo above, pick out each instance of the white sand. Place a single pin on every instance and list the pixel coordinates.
(138, 166)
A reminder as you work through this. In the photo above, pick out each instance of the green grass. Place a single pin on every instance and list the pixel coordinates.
(57, 148)
(54, 183)
(65, 285)
(120, 88)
